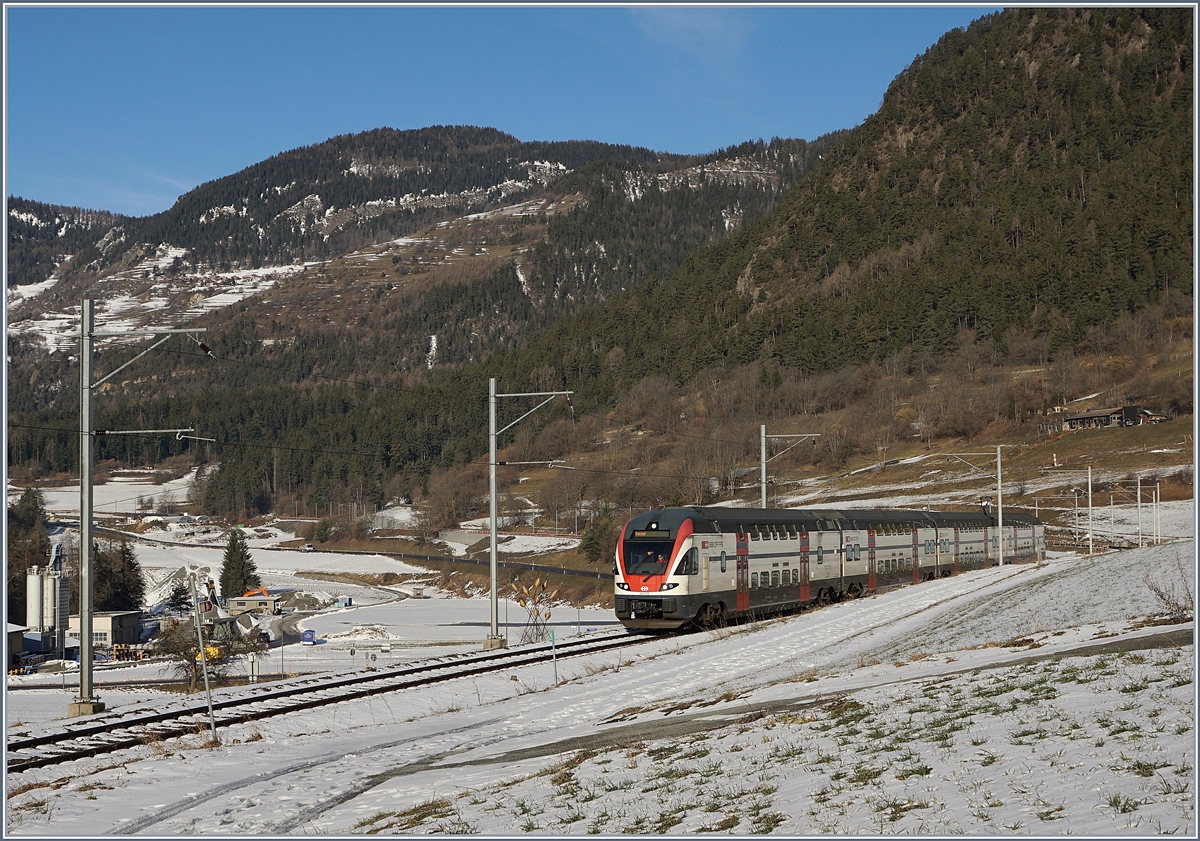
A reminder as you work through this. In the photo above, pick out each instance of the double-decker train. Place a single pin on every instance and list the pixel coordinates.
(704, 565)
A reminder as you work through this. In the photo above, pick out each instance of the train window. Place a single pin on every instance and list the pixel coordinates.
(722, 562)
(754, 532)
(753, 580)
(689, 564)
(791, 531)
(774, 578)
(820, 554)
(741, 533)
(795, 576)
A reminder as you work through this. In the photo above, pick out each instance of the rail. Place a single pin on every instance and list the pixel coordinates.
(113, 733)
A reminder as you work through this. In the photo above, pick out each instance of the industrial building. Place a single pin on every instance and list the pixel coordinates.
(16, 644)
(47, 602)
(256, 601)
(108, 628)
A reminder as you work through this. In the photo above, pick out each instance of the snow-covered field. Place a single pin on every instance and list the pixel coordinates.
(951, 707)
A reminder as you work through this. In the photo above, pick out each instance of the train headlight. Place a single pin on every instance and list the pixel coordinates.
(621, 585)
(671, 586)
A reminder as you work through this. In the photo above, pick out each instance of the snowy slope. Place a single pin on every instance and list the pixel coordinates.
(912, 711)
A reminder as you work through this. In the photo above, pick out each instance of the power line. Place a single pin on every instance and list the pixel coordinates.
(221, 444)
(743, 443)
(293, 372)
(298, 373)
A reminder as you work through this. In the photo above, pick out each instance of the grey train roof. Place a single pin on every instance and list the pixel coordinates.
(828, 519)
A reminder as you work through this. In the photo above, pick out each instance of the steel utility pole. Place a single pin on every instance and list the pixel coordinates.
(87, 703)
(762, 438)
(999, 505)
(494, 640)
(1091, 523)
(203, 655)
(1139, 509)
(999, 493)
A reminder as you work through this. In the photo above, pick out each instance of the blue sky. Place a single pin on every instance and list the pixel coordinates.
(126, 109)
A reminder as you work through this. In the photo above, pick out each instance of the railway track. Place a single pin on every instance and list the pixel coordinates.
(109, 734)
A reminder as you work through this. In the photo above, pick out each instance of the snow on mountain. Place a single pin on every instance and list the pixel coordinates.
(147, 294)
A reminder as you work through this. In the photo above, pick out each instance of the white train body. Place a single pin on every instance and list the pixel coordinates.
(704, 565)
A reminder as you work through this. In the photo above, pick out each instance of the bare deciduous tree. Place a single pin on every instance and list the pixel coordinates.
(1174, 594)
(179, 645)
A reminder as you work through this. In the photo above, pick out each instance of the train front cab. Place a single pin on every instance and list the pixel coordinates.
(672, 567)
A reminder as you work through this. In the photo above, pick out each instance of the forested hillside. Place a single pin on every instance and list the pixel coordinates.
(43, 236)
(1023, 196)
(464, 288)
(1024, 181)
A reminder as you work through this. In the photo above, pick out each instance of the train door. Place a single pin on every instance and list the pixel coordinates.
(937, 552)
(957, 568)
(743, 572)
(852, 566)
(916, 555)
(843, 552)
(987, 547)
(825, 573)
(805, 577)
(871, 568)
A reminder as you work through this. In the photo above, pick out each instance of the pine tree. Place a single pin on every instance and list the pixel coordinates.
(238, 573)
(180, 599)
(27, 545)
(118, 582)
(600, 538)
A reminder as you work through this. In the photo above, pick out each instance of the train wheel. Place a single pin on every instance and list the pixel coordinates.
(855, 590)
(711, 616)
(824, 596)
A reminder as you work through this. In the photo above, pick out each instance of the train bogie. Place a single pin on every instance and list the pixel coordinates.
(703, 565)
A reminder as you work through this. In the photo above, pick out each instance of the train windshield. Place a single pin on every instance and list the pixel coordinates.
(647, 557)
